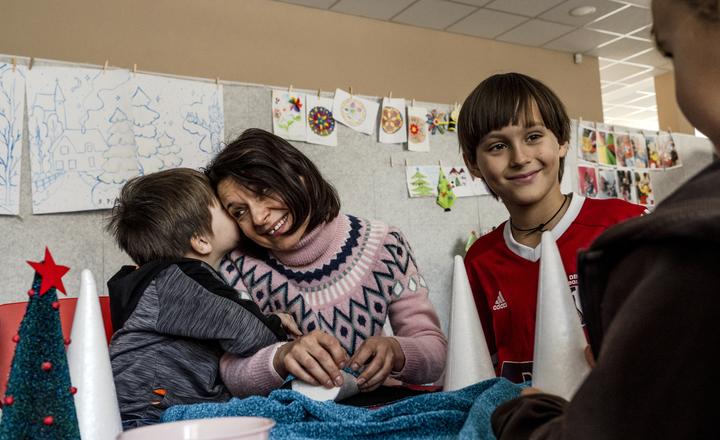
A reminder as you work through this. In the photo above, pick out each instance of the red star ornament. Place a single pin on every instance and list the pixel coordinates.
(50, 272)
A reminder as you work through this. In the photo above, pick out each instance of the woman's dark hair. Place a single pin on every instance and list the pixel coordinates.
(505, 99)
(267, 164)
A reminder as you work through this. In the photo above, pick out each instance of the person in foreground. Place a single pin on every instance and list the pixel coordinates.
(514, 133)
(649, 287)
(340, 276)
(174, 315)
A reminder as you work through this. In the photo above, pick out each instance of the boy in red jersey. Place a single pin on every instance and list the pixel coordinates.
(514, 133)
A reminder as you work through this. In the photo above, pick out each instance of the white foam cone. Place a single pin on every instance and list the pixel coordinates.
(559, 364)
(90, 370)
(468, 358)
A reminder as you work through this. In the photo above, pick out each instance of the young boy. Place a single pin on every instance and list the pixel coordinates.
(174, 313)
(650, 285)
(514, 133)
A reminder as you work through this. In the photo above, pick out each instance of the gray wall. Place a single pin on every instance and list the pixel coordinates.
(359, 167)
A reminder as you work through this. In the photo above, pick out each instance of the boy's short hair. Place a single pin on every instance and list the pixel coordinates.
(156, 215)
(265, 163)
(505, 99)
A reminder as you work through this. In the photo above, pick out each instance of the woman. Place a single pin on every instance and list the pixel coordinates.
(340, 276)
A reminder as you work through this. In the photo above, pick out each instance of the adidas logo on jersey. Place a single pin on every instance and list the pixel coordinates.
(500, 302)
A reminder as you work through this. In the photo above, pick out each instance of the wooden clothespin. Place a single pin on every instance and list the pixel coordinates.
(290, 89)
(31, 62)
(135, 68)
(390, 94)
(14, 63)
(318, 93)
(580, 120)
(351, 92)
(105, 66)
(217, 80)
(392, 165)
(413, 103)
(406, 164)
(440, 163)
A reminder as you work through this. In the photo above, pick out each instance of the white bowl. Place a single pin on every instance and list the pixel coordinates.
(220, 428)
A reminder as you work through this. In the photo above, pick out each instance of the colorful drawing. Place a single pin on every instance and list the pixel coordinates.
(419, 180)
(392, 121)
(652, 149)
(668, 152)
(288, 110)
(12, 115)
(625, 150)
(639, 150)
(607, 183)
(463, 183)
(626, 189)
(587, 180)
(417, 130)
(605, 143)
(320, 121)
(588, 147)
(643, 188)
(357, 113)
(436, 121)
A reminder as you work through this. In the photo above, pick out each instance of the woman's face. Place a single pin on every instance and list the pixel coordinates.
(263, 218)
(691, 42)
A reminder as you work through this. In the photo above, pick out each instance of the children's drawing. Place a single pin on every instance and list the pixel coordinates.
(422, 180)
(587, 180)
(463, 183)
(605, 144)
(355, 112)
(392, 121)
(626, 189)
(320, 121)
(639, 150)
(437, 121)
(668, 152)
(82, 146)
(417, 129)
(607, 183)
(588, 147)
(12, 111)
(288, 112)
(652, 149)
(643, 188)
(176, 122)
(446, 197)
(625, 150)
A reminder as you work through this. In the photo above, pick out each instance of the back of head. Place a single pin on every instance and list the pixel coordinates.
(156, 215)
(267, 164)
(509, 99)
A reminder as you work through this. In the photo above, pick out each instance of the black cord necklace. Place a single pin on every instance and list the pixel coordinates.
(541, 226)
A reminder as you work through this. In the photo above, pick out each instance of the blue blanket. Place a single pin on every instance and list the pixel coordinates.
(463, 414)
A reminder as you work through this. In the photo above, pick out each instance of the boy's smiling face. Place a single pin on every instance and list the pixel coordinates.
(520, 163)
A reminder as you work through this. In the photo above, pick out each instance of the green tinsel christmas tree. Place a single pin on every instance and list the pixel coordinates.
(446, 196)
(38, 402)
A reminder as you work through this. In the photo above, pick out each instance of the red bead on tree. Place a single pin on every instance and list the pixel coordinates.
(46, 366)
(16, 338)
(67, 341)
(31, 292)
(55, 305)
(8, 400)
(49, 420)
(73, 390)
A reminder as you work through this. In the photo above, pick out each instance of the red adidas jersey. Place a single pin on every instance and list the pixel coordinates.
(504, 274)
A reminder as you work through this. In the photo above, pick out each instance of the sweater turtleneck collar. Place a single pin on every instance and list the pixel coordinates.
(314, 245)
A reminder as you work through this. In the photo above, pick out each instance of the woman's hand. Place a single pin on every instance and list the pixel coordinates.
(377, 357)
(315, 358)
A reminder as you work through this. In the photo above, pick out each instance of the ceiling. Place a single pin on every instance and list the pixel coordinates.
(618, 33)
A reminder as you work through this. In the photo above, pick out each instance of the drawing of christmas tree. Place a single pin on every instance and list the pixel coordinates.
(420, 185)
(446, 196)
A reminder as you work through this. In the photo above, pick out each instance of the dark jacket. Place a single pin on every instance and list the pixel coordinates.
(175, 320)
(650, 290)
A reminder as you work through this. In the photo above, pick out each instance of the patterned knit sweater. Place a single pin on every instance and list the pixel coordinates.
(345, 277)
